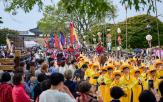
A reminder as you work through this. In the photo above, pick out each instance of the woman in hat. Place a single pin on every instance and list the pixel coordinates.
(116, 75)
(101, 81)
(94, 73)
(139, 83)
(152, 72)
(127, 82)
(108, 80)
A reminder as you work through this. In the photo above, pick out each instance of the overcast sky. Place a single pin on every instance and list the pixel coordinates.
(29, 20)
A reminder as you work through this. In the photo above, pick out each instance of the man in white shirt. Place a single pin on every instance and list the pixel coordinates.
(54, 94)
(72, 66)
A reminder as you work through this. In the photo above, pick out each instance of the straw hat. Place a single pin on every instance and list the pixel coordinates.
(116, 72)
(143, 65)
(134, 59)
(158, 62)
(81, 56)
(151, 68)
(95, 65)
(136, 70)
(104, 68)
(125, 64)
(110, 66)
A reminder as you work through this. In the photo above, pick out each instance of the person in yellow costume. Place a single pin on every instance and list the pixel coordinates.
(87, 73)
(81, 62)
(138, 88)
(94, 73)
(156, 81)
(117, 64)
(133, 64)
(127, 82)
(101, 81)
(158, 65)
(116, 75)
(108, 80)
(144, 75)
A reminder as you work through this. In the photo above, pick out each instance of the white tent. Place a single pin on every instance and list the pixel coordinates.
(30, 43)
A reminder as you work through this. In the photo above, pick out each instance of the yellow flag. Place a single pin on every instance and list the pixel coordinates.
(74, 33)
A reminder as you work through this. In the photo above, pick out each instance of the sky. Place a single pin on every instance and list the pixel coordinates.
(25, 21)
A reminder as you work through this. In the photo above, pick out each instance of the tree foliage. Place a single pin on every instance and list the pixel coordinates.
(92, 7)
(0, 20)
(136, 32)
(5, 32)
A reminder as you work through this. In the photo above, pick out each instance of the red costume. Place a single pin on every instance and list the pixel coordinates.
(99, 50)
(70, 50)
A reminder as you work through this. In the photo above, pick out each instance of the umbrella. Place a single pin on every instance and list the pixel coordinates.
(137, 50)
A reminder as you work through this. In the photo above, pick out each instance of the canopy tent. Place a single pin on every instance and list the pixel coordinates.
(30, 44)
(137, 50)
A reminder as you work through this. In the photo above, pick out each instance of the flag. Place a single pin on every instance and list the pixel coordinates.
(52, 39)
(60, 45)
(72, 36)
(56, 41)
(46, 41)
(68, 41)
(74, 33)
(62, 39)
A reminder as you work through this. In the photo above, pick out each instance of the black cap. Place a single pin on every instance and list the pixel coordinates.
(63, 58)
(32, 64)
(84, 66)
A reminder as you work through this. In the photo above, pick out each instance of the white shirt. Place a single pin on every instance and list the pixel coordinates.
(62, 70)
(55, 96)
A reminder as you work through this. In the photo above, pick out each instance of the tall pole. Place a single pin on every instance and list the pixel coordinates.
(126, 25)
(158, 30)
(114, 28)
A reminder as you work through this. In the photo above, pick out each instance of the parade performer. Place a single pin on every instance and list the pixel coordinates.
(108, 80)
(127, 82)
(116, 75)
(87, 72)
(117, 64)
(152, 72)
(99, 49)
(70, 49)
(81, 57)
(144, 74)
(101, 81)
(94, 73)
(158, 65)
(138, 88)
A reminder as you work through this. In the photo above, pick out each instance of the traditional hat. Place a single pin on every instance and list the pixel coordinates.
(104, 68)
(95, 64)
(110, 66)
(136, 70)
(116, 72)
(117, 64)
(125, 64)
(158, 62)
(143, 65)
(111, 60)
(134, 59)
(151, 68)
(81, 56)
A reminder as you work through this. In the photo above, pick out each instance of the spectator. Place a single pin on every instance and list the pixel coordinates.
(5, 88)
(50, 59)
(37, 72)
(54, 95)
(147, 96)
(27, 86)
(52, 69)
(41, 63)
(31, 71)
(59, 56)
(62, 67)
(72, 66)
(33, 59)
(23, 65)
(68, 82)
(81, 71)
(116, 93)
(37, 88)
(161, 90)
(18, 92)
(45, 69)
(86, 90)
(44, 86)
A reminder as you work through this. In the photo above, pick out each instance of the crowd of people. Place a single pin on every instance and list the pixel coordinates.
(71, 75)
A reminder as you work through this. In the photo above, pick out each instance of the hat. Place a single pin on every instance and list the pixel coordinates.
(110, 66)
(117, 64)
(81, 56)
(158, 62)
(142, 65)
(90, 64)
(134, 59)
(110, 61)
(125, 64)
(86, 61)
(116, 72)
(104, 68)
(136, 70)
(151, 68)
(95, 64)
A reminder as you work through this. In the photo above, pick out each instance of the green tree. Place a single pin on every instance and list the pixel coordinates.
(91, 6)
(0, 20)
(5, 32)
(136, 36)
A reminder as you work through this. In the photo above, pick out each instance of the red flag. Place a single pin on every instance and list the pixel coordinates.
(56, 41)
(78, 46)
(72, 37)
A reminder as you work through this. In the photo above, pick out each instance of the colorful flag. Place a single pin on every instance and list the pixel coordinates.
(72, 36)
(52, 39)
(68, 41)
(62, 39)
(56, 41)
(74, 33)
(60, 45)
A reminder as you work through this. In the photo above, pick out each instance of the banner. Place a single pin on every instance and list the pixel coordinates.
(157, 53)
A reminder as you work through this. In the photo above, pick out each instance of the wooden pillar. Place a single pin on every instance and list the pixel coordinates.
(17, 59)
